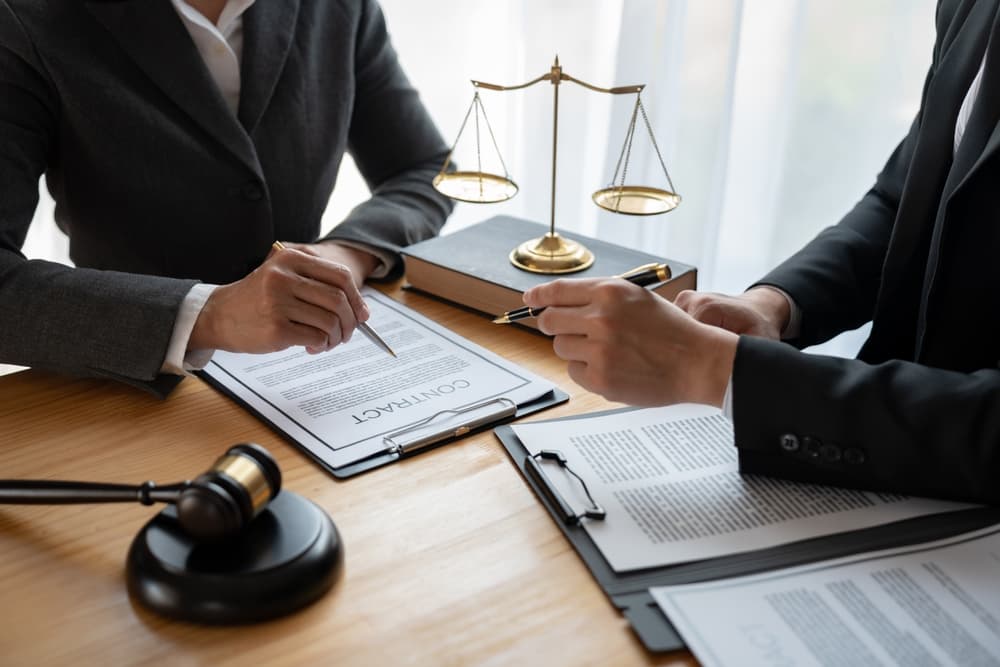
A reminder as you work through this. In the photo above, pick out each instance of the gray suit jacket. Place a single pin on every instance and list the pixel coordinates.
(919, 411)
(159, 185)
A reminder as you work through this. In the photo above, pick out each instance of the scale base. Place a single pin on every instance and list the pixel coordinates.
(288, 557)
(551, 254)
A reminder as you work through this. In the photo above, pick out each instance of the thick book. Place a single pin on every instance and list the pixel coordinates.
(470, 267)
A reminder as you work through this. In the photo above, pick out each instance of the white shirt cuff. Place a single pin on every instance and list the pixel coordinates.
(727, 400)
(179, 361)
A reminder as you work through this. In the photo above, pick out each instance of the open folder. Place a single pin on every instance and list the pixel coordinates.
(594, 475)
(357, 407)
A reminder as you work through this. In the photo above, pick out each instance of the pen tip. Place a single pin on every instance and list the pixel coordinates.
(501, 320)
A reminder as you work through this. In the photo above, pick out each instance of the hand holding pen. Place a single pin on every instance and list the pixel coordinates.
(631, 345)
(295, 297)
(362, 325)
(643, 276)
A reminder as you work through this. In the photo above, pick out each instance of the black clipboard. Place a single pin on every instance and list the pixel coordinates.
(451, 431)
(629, 591)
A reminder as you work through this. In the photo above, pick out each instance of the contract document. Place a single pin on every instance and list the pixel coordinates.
(669, 481)
(356, 400)
(935, 603)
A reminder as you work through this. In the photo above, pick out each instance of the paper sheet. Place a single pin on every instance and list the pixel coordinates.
(931, 604)
(669, 480)
(342, 403)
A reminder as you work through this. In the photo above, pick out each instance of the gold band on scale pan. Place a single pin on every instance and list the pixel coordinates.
(636, 200)
(551, 253)
(475, 187)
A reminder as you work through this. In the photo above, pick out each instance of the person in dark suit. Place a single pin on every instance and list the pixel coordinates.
(179, 140)
(918, 411)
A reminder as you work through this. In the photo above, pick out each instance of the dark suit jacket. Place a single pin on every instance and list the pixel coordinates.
(159, 185)
(919, 410)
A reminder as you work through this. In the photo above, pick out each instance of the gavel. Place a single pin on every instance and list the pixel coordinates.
(212, 507)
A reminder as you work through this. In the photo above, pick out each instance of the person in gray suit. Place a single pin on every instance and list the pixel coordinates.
(179, 139)
(918, 411)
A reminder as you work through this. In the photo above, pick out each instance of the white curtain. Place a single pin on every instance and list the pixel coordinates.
(773, 116)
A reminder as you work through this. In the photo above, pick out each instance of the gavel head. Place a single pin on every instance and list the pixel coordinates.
(222, 501)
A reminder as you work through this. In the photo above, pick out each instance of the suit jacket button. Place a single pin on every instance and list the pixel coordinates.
(830, 453)
(811, 446)
(252, 192)
(854, 456)
(789, 442)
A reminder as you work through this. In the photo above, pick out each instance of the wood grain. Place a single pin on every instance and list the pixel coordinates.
(450, 560)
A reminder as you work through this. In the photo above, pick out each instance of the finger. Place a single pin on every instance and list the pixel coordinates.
(560, 320)
(309, 337)
(693, 302)
(304, 248)
(708, 312)
(307, 314)
(340, 276)
(685, 299)
(725, 315)
(316, 349)
(332, 274)
(562, 292)
(572, 347)
(331, 299)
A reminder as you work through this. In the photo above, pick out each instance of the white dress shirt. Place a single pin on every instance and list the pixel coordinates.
(795, 316)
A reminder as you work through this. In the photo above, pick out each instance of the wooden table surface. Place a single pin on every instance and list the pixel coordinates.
(450, 560)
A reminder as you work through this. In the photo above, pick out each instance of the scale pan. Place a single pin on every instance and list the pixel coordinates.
(636, 200)
(476, 187)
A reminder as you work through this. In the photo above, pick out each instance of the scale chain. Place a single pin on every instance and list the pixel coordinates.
(652, 139)
(496, 148)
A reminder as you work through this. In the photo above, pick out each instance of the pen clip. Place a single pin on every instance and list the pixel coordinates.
(446, 424)
(534, 470)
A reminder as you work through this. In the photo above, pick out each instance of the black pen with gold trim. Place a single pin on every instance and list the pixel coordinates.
(363, 326)
(647, 274)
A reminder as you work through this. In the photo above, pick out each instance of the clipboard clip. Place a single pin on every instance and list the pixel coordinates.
(566, 513)
(448, 424)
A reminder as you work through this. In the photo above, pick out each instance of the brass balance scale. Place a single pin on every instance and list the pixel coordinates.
(552, 253)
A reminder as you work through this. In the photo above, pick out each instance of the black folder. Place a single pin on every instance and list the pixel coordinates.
(629, 591)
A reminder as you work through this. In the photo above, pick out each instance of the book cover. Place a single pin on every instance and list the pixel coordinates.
(470, 267)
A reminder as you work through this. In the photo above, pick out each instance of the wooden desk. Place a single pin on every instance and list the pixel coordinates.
(450, 560)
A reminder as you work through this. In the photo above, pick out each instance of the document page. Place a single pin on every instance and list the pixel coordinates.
(935, 603)
(670, 483)
(341, 405)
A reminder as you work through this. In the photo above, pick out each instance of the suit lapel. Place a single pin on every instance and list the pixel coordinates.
(899, 302)
(991, 148)
(268, 32)
(982, 134)
(979, 140)
(152, 35)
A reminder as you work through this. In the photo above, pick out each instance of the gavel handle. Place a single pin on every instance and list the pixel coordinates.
(52, 492)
